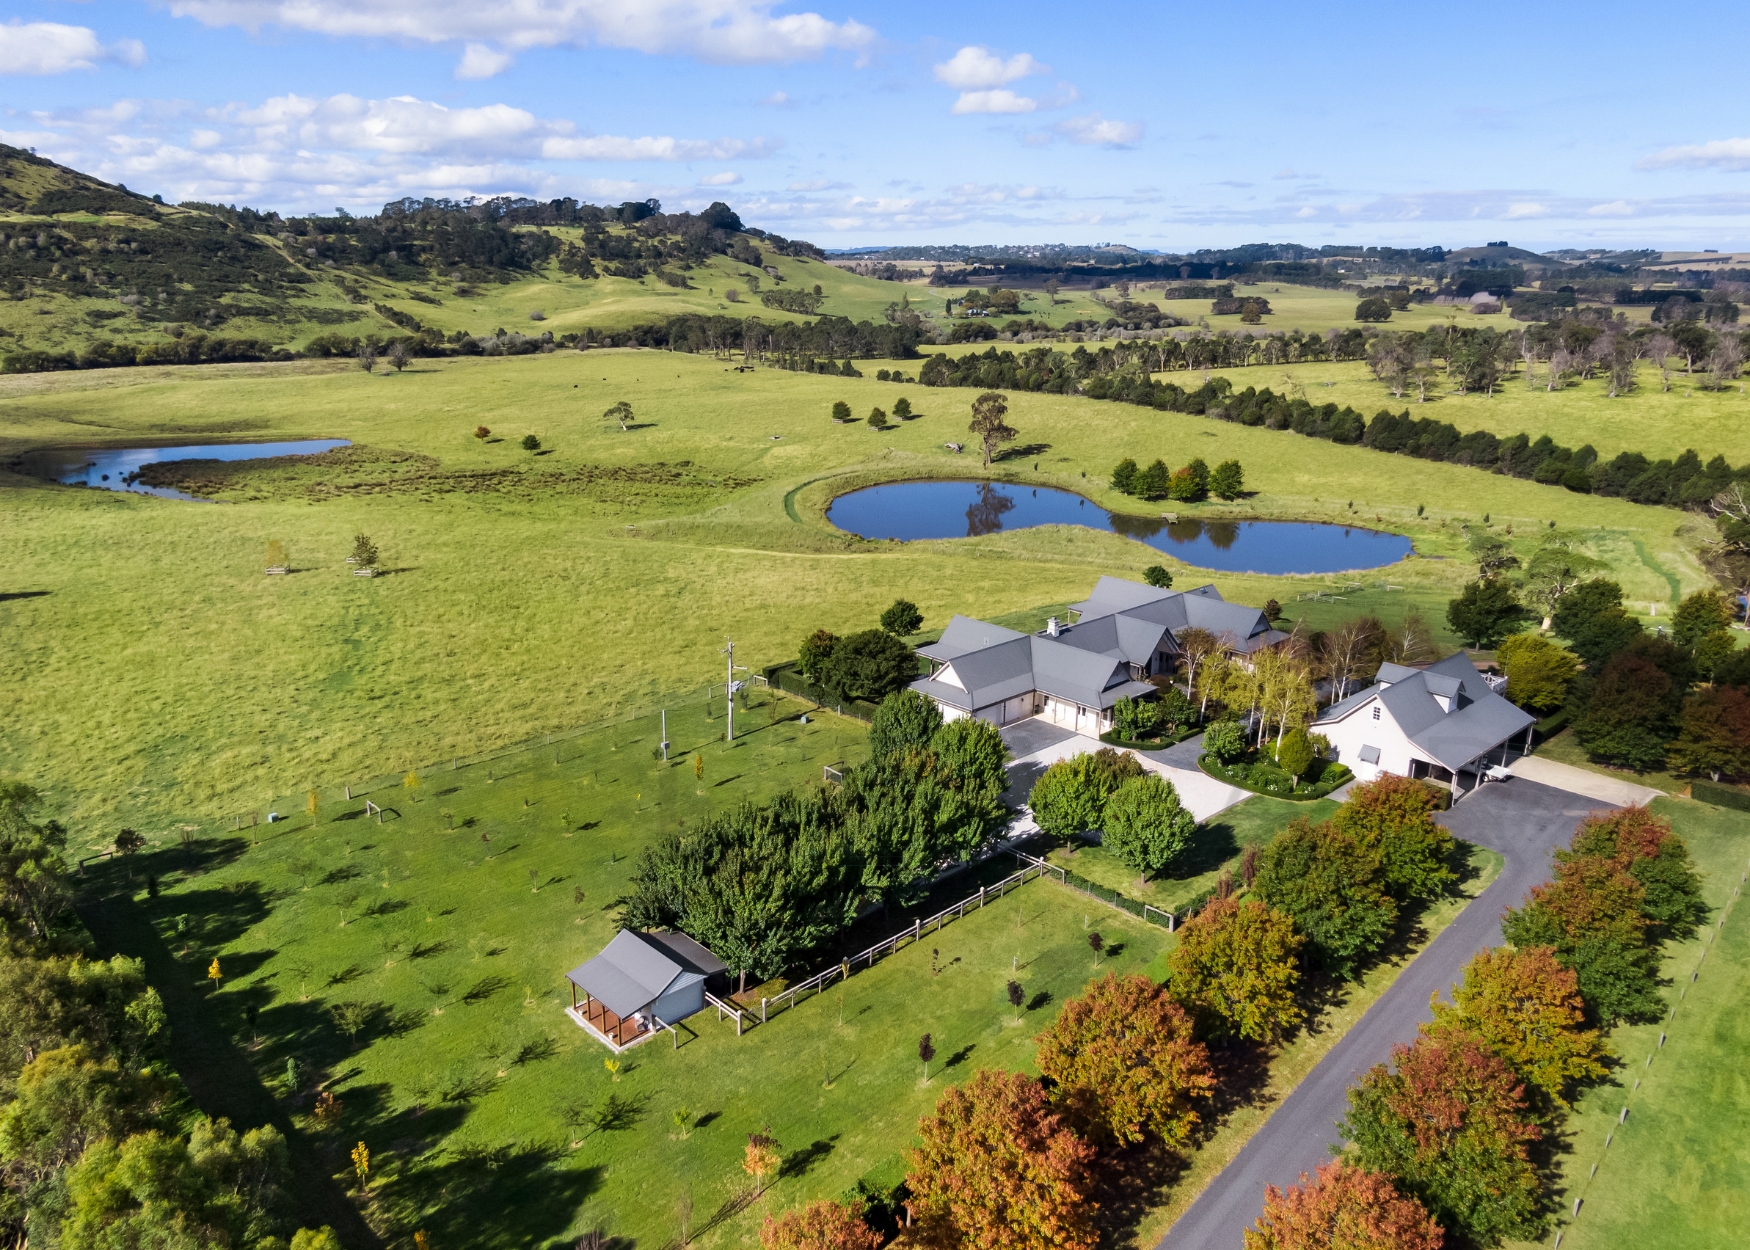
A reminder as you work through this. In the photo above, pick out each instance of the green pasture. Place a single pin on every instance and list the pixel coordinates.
(158, 676)
(1315, 309)
(1217, 844)
(1676, 1174)
(1659, 424)
(489, 1114)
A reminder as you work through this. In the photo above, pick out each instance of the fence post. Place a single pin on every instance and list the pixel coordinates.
(762, 1011)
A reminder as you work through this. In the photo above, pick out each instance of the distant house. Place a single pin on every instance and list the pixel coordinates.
(1435, 722)
(1124, 633)
(639, 984)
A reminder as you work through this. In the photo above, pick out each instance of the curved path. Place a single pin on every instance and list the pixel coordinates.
(1523, 820)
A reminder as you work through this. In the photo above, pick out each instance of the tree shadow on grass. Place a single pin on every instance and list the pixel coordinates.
(1211, 846)
(798, 1162)
(1128, 1184)
(485, 988)
(960, 1056)
(477, 1194)
(1039, 1000)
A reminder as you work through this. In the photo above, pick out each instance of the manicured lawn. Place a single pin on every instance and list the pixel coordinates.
(1217, 844)
(158, 678)
(1676, 1175)
(469, 1082)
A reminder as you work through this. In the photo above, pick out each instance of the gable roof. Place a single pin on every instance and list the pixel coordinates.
(1474, 720)
(636, 969)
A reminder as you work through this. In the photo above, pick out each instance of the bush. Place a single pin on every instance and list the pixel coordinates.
(1226, 742)
(531, 443)
(1158, 576)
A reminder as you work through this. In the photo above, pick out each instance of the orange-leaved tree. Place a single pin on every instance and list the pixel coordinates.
(823, 1225)
(998, 1166)
(761, 1158)
(1450, 1125)
(1125, 1062)
(1527, 1009)
(1235, 969)
(1393, 816)
(1345, 1206)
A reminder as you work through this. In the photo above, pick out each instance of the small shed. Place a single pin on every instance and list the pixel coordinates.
(641, 983)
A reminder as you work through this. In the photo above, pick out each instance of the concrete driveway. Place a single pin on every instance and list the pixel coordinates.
(1617, 791)
(1047, 743)
(1522, 819)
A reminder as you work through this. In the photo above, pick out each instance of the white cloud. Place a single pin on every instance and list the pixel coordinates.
(728, 178)
(480, 61)
(731, 32)
(648, 148)
(819, 184)
(1716, 154)
(777, 100)
(974, 67)
(1525, 208)
(1000, 100)
(38, 48)
(1616, 208)
(1091, 128)
(1306, 210)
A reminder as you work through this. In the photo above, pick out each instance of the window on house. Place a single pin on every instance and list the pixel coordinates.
(1376, 713)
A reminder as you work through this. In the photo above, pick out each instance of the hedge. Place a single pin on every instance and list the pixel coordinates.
(1111, 739)
(1333, 776)
(1720, 796)
(786, 678)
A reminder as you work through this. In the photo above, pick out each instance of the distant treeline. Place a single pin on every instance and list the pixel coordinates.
(836, 337)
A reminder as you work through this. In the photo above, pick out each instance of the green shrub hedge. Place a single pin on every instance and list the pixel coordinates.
(1720, 796)
(1111, 739)
(1262, 777)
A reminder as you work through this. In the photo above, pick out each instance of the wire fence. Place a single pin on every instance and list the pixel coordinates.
(1104, 894)
(1630, 1096)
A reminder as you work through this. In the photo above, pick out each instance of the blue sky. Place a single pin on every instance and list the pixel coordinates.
(1166, 125)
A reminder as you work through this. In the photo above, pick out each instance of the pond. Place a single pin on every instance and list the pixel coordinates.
(911, 510)
(115, 468)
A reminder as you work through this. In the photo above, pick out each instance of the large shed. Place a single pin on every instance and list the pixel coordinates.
(641, 983)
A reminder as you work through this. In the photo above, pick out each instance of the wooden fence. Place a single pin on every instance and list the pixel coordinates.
(904, 937)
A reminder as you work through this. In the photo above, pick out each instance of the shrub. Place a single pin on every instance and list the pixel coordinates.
(1157, 575)
(1226, 741)
(1124, 1062)
(480, 431)
(821, 1225)
(531, 443)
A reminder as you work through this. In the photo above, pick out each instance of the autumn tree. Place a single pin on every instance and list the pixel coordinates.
(1449, 1123)
(1125, 1063)
(1333, 888)
(1538, 671)
(1235, 969)
(1145, 825)
(1591, 915)
(1344, 1207)
(998, 1166)
(988, 413)
(1526, 1008)
(1646, 847)
(1713, 734)
(822, 1225)
(1393, 817)
(761, 1158)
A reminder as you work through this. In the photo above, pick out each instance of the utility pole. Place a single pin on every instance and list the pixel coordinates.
(665, 735)
(730, 686)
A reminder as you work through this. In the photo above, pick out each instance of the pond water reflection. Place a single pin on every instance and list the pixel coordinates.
(114, 468)
(914, 510)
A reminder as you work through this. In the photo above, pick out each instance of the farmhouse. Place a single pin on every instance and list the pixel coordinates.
(639, 984)
(1124, 633)
(1435, 722)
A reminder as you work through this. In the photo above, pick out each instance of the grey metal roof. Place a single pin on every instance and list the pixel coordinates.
(633, 971)
(964, 634)
(1476, 721)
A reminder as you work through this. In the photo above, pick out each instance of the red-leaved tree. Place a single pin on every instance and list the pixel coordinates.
(1125, 1062)
(999, 1169)
(1344, 1207)
(823, 1225)
(1449, 1124)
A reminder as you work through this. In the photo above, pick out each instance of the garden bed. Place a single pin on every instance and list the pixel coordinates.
(1112, 739)
(1267, 779)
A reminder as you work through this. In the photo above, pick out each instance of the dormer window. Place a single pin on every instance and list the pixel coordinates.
(1376, 711)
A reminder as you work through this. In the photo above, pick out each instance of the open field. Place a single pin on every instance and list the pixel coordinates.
(1659, 424)
(1676, 1175)
(157, 675)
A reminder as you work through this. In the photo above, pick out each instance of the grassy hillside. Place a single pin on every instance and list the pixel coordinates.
(154, 672)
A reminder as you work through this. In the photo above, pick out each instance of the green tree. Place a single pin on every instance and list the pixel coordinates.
(1229, 480)
(815, 655)
(1713, 734)
(1157, 575)
(1145, 825)
(1699, 615)
(1527, 1008)
(877, 419)
(841, 411)
(1450, 1125)
(905, 721)
(1236, 968)
(1484, 612)
(869, 665)
(1199, 472)
(1070, 797)
(1644, 846)
(902, 618)
(1373, 309)
(64, 1100)
(1125, 1063)
(1592, 620)
(1552, 572)
(902, 409)
(1393, 817)
(33, 888)
(1124, 476)
(1152, 482)
(620, 412)
(1631, 714)
(1494, 556)
(1295, 755)
(1331, 885)
(988, 413)
(531, 443)
(1182, 486)
(364, 552)
(1538, 672)
(1591, 915)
